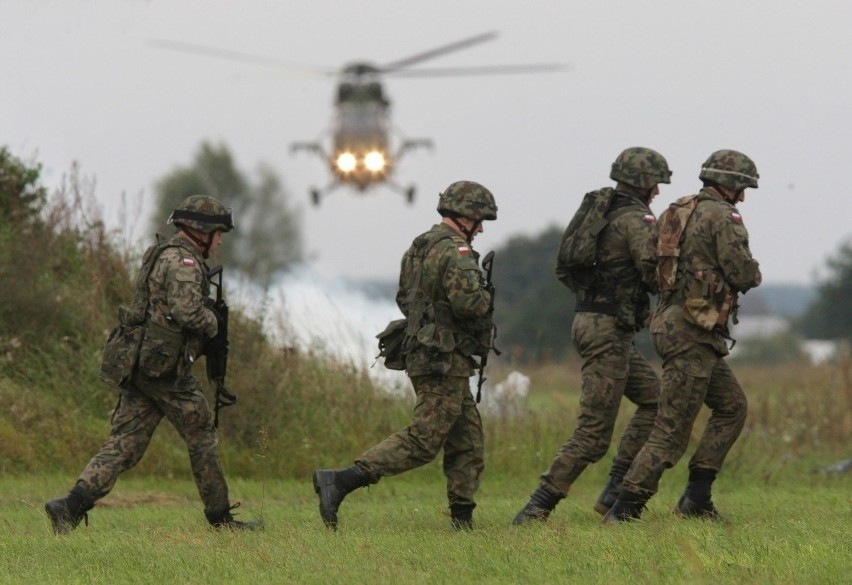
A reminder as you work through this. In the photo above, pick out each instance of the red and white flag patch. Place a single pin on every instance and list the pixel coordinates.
(188, 261)
(649, 218)
(736, 217)
(464, 250)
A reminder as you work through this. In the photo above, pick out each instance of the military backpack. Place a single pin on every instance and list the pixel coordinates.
(670, 237)
(576, 262)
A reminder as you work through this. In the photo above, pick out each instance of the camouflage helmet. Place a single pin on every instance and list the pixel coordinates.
(467, 199)
(204, 214)
(730, 169)
(640, 167)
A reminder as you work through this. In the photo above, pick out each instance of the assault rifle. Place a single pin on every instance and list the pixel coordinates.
(488, 267)
(216, 349)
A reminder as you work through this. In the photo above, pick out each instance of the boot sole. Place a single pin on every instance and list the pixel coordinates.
(329, 518)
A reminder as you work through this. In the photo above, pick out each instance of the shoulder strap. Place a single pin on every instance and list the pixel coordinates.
(142, 295)
(423, 244)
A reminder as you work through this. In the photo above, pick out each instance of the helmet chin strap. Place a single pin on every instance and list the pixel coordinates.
(468, 233)
(203, 244)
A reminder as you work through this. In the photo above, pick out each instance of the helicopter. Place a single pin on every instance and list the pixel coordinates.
(364, 151)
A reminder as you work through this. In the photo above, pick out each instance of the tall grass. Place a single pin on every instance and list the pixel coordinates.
(64, 278)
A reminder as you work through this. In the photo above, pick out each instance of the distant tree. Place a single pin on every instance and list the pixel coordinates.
(830, 315)
(267, 239)
(534, 311)
(21, 195)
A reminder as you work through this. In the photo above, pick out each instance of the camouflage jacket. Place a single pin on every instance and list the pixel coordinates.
(626, 253)
(449, 276)
(715, 242)
(178, 287)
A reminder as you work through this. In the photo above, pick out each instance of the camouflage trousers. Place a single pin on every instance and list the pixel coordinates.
(445, 417)
(693, 374)
(141, 406)
(612, 368)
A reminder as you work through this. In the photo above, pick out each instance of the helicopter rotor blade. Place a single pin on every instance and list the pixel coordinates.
(484, 70)
(208, 51)
(437, 52)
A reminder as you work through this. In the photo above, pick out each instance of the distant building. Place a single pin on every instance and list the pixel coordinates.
(760, 325)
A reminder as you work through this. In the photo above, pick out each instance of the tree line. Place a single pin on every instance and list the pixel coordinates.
(534, 309)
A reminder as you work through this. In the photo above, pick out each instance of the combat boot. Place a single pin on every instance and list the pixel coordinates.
(539, 507)
(66, 513)
(608, 495)
(332, 485)
(696, 501)
(224, 520)
(462, 516)
(626, 508)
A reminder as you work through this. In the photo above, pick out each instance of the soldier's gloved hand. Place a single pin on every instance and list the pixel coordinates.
(489, 287)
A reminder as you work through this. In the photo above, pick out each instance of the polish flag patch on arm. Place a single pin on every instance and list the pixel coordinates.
(649, 218)
(188, 261)
(464, 250)
(736, 217)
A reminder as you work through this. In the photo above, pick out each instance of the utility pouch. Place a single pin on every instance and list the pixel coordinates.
(390, 344)
(474, 338)
(708, 301)
(160, 351)
(120, 354)
(436, 337)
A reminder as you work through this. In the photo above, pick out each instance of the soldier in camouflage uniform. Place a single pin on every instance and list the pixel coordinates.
(176, 320)
(608, 315)
(690, 332)
(448, 308)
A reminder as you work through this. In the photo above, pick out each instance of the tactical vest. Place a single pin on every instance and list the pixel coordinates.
(429, 322)
(163, 350)
(707, 300)
(122, 349)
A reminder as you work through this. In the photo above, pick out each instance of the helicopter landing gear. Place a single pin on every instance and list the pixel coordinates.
(318, 194)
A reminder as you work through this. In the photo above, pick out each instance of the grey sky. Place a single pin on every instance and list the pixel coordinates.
(772, 79)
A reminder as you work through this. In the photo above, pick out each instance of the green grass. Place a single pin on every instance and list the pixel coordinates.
(153, 531)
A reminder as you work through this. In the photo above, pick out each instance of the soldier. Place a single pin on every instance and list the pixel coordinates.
(171, 291)
(449, 309)
(689, 330)
(609, 312)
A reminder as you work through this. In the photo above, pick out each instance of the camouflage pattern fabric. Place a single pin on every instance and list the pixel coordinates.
(468, 199)
(694, 369)
(612, 368)
(178, 288)
(450, 276)
(445, 414)
(715, 241)
(445, 417)
(640, 167)
(177, 321)
(139, 411)
(628, 256)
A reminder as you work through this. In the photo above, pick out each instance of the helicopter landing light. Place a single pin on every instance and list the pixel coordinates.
(346, 162)
(374, 161)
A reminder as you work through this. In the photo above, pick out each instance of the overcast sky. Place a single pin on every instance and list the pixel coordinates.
(81, 82)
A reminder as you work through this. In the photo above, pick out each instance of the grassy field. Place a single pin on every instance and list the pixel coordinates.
(153, 531)
(785, 521)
